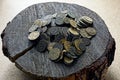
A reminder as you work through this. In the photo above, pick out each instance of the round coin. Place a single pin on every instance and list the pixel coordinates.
(33, 35)
(91, 31)
(33, 28)
(41, 46)
(68, 61)
(82, 46)
(77, 42)
(83, 33)
(73, 23)
(50, 46)
(70, 15)
(44, 29)
(59, 46)
(67, 45)
(86, 41)
(87, 19)
(38, 22)
(54, 54)
(66, 20)
(73, 31)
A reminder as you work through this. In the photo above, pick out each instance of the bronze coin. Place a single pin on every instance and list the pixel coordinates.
(73, 31)
(87, 20)
(83, 33)
(59, 46)
(91, 31)
(68, 61)
(50, 45)
(33, 28)
(73, 23)
(54, 54)
(67, 45)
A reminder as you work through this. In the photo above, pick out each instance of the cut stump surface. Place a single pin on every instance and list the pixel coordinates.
(92, 65)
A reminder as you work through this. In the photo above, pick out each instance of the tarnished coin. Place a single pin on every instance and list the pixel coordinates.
(77, 42)
(48, 18)
(82, 46)
(50, 46)
(79, 52)
(41, 46)
(70, 15)
(68, 61)
(59, 21)
(67, 45)
(44, 22)
(73, 23)
(38, 22)
(53, 31)
(73, 31)
(44, 36)
(82, 24)
(83, 33)
(44, 29)
(86, 41)
(33, 35)
(54, 54)
(62, 41)
(91, 31)
(66, 20)
(59, 46)
(33, 28)
(73, 52)
(58, 37)
(87, 19)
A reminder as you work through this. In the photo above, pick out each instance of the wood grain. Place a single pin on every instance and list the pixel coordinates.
(15, 41)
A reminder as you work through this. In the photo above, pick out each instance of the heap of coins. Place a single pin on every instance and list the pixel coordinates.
(63, 35)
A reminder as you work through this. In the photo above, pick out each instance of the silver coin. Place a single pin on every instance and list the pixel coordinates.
(33, 28)
(33, 35)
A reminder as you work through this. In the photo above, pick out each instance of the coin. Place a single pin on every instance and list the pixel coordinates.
(50, 45)
(44, 36)
(66, 20)
(77, 42)
(73, 31)
(82, 46)
(48, 18)
(44, 29)
(59, 46)
(41, 46)
(82, 24)
(86, 41)
(53, 31)
(54, 54)
(70, 15)
(44, 22)
(58, 37)
(72, 52)
(38, 22)
(33, 35)
(79, 52)
(59, 21)
(62, 41)
(68, 61)
(33, 28)
(87, 19)
(91, 31)
(73, 23)
(83, 33)
(67, 45)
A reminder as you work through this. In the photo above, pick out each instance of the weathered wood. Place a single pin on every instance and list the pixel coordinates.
(90, 66)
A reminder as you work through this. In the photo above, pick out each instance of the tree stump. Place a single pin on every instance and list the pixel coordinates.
(92, 65)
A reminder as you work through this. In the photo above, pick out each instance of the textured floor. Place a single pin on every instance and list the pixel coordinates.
(109, 10)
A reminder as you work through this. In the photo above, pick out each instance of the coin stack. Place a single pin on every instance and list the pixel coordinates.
(63, 35)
